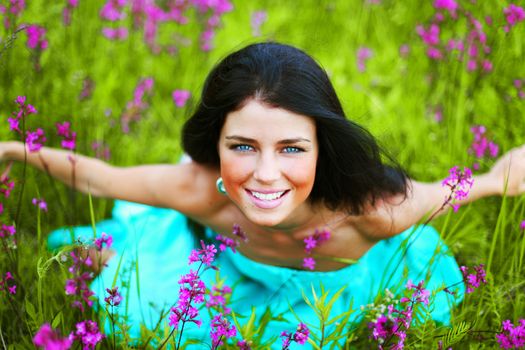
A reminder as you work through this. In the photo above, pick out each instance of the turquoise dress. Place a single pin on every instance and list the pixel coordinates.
(152, 247)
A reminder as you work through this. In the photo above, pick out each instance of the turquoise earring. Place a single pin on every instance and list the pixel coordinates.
(220, 186)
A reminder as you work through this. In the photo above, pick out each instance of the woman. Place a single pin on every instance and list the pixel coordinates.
(272, 152)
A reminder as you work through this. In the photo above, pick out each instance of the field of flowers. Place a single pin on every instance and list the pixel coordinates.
(441, 83)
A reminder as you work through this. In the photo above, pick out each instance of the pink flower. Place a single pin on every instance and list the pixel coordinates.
(114, 298)
(16, 6)
(35, 140)
(6, 186)
(40, 203)
(206, 255)
(460, 182)
(486, 65)
(472, 65)
(363, 54)
(473, 281)
(88, 334)
(309, 263)
(300, 336)
(120, 33)
(69, 137)
(113, 10)
(36, 37)
(104, 239)
(512, 337)
(257, 20)
(450, 5)
(221, 329)
(404, 50)
(434, 53)
(238, 232)
(430, 36)
(49, 339)
(180, 97)
(7, 230)
(522, 225)
(227, 242)
(513, 14)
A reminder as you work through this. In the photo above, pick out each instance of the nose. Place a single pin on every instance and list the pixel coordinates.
(267, 169)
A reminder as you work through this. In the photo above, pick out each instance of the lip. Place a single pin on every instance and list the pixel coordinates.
(266, 204)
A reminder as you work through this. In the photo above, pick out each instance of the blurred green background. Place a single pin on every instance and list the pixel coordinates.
(420, 109)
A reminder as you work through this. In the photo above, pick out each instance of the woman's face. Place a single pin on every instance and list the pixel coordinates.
(268, 159)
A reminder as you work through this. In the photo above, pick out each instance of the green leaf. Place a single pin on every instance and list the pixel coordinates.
(56, 320)
(456, 334)
(30, 310)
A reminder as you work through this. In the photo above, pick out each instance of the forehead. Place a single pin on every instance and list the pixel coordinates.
(256, 119)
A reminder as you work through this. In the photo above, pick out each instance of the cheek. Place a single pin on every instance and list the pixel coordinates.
(235, 171)
(301, 174)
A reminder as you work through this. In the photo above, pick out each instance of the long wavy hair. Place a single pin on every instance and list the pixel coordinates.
(351, 170)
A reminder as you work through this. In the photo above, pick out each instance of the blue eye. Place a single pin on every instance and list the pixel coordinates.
(243, 148)
(291, 149)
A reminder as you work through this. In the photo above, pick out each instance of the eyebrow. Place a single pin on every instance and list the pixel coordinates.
(284, 141)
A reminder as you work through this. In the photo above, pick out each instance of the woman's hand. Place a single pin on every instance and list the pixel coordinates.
(509, 172)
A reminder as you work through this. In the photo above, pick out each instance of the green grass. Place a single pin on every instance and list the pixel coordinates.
(393, 98)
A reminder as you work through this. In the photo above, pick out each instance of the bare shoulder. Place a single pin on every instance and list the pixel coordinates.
(380, 220)
(190, 188)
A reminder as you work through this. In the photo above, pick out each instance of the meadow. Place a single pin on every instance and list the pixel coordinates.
(439, 83)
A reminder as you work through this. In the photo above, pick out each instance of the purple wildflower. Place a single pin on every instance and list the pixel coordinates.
(68, 9)
(102, 150)
(257, 20)
(243, 345)
(6, 186)
(430, 36)
(35, 140)
(104, 239)
(180, 97)
(78, 286)
(300, 336)
(450, 5)
(363, 54)
(113, 10)
(88, 334)
(420, 294)
(50, 339)
(7, 230)
(7, 286)
(309, 263)
(217, 298)
(221, 329)
(473, 281)
(460, 183)
(206, 255)
(481, 146)
(522, 225)
(120, 33)
(227, 242)
(40, 203)
(69, 137)
(138, 105)
(238, 232)
(36, 37)
(512, 337)
(192, 291)
(114, 298)
(513, 14)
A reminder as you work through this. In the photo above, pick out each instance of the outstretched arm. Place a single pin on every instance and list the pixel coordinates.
(184, 187)
(396, 214)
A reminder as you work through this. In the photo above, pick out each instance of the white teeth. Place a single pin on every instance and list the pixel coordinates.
(267, 196)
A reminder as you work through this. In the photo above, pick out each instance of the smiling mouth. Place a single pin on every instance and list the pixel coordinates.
(267, 196)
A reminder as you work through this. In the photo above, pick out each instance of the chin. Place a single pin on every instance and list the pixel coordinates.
(266, 220)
